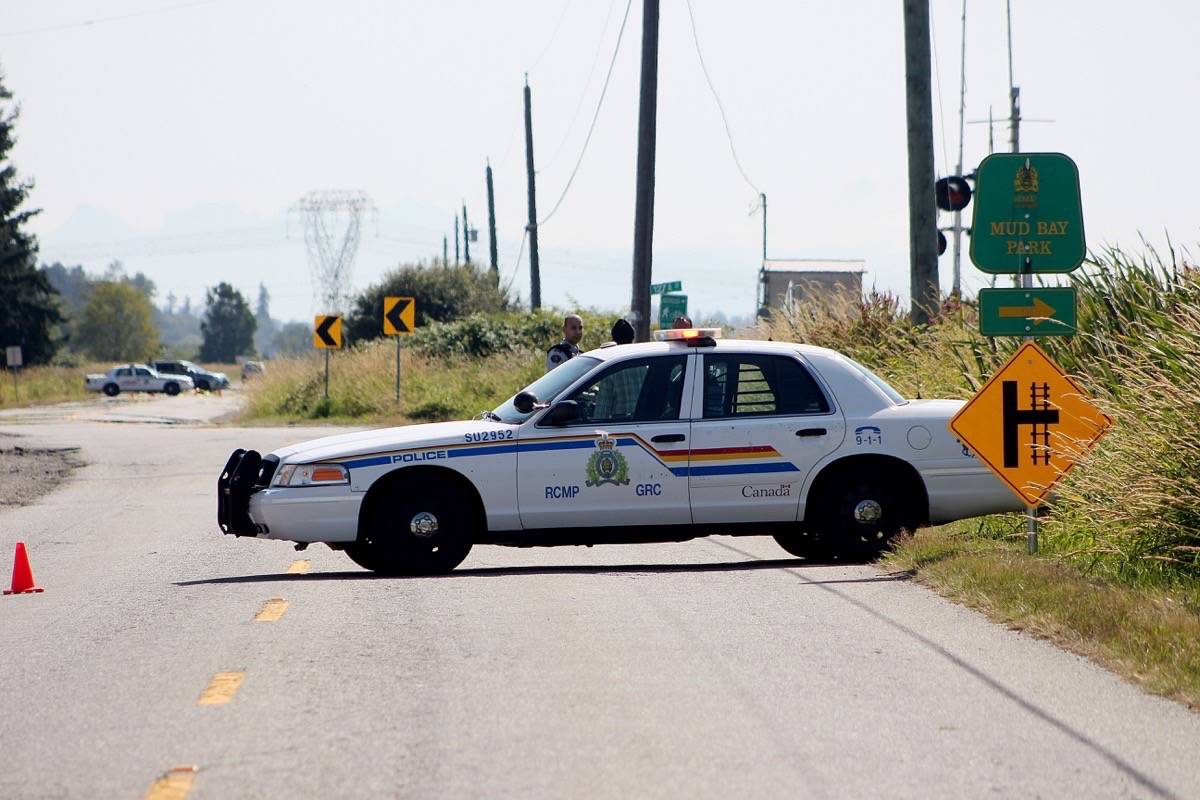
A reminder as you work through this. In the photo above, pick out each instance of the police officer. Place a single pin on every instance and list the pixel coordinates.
(569, 346)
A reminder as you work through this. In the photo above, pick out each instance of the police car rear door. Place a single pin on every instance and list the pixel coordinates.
(624, 461)
(761, 423)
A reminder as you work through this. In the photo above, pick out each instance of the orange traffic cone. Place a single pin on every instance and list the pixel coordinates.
(22, 580)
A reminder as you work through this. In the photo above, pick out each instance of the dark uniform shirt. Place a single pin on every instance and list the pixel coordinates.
(559, 353)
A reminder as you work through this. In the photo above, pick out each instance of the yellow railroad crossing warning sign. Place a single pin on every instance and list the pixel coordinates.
(327, 332)
(1030, 424)
(399, 315)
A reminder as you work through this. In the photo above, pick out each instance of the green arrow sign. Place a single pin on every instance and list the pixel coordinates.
(670, 307)
(663, 288)
(1028, 215)
(1027, 312)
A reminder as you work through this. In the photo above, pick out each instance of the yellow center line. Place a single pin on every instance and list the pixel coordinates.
(299, 567)
(221, 688)
(272, 610)
(174, 784)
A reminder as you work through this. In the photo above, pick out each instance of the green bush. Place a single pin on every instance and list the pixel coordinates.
(443, 293)
(483, 335)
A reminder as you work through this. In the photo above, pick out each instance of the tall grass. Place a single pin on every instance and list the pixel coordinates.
(42, 385)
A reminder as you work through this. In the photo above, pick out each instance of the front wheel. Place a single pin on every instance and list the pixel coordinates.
(171, 388)
(428, 529)
(203, 386)
(861, 518)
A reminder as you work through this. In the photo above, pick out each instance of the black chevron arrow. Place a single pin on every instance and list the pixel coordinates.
(323, 331)
(394, 316)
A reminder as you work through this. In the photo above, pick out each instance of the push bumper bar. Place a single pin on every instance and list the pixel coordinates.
(245, 473)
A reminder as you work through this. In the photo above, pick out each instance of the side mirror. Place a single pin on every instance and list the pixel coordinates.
(564, 412)
(524, 402)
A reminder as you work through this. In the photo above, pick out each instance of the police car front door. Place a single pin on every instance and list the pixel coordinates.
(623, 462)
(762, 422)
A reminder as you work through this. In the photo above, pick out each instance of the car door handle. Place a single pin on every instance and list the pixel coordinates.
(668, 437)
(811, 432)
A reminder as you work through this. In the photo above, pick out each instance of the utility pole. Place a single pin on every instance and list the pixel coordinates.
(492, 226)
(1014, 93)
(922, 214)
(445, 254)
(962, 104)
(535, 276)
(643, 222)
(763, 198)
(466, 236)
(456, 240)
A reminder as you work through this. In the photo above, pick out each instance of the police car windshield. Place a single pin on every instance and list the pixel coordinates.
(548, 387)
(880, 383)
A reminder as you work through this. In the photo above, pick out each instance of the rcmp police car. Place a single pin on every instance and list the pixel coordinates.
(687, 436)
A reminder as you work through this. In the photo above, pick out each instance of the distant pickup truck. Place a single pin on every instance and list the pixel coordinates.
(137, 378)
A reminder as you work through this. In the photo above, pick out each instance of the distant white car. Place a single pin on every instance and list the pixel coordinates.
(137, 378)
(661, 441)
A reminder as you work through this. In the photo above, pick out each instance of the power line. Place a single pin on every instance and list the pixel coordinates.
(586, 86)
(553, 35)
(512, 278)
(937, 76)
(101, 20)
(720, 106)
(595, 116)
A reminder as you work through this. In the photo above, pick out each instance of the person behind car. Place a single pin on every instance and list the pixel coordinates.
(622, 333)
(682, 322)
(568, 348)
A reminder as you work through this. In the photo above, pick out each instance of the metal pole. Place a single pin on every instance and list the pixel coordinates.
(922, 213)
(1031, 520)
(535, 276)
(1014, 94)
(643, 224)
(762, 196)
(397, 371)
(326, 373)
(962, 105)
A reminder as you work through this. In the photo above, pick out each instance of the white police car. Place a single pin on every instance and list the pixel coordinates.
(687, 436)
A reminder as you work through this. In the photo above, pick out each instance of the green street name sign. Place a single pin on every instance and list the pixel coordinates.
(1027, 312)
(1028, 215)
(663, 288)
(670, 307)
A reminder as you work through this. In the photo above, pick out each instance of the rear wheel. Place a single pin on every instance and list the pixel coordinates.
(111, 389)
(419, 527)
(171, 388)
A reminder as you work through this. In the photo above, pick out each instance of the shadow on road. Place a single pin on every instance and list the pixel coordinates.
(503, 572)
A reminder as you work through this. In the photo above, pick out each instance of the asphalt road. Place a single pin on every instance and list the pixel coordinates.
(713, 668)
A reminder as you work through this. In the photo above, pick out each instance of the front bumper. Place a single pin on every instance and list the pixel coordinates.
(245, 473)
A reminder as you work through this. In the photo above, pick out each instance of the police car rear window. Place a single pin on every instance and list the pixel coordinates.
(880, 383)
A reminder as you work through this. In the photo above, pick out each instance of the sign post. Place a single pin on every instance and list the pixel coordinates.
(1028, 218)
(327, 335)
(12, 357)
(399, 319)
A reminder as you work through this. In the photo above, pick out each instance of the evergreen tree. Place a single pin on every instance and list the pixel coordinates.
(228, 326)
(31, 314)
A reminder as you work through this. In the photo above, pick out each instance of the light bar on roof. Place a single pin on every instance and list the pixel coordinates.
(686, 334)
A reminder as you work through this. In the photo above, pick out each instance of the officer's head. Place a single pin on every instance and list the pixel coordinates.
(622, 331)
(573, 328)
(682, 322)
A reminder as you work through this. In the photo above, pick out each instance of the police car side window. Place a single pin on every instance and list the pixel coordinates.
(644, 390)
(756, 385)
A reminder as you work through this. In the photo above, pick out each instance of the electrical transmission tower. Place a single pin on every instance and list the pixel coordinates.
(332, 220)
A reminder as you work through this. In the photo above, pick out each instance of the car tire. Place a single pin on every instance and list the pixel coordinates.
(202, 385)
(426, 530)
(861, 517)
(111, 389)
(171, 388)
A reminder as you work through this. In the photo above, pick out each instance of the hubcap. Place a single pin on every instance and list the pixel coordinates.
(424, 525)
(868, 511)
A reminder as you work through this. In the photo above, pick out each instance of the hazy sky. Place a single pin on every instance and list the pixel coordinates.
(175, 135)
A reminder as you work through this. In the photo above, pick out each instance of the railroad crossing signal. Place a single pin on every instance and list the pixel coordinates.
(327, 332)
(1030, 424)
(1027, 312)
(1028, 215)
(399, 315)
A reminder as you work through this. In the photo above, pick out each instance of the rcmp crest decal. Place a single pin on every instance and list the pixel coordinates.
(606, 465)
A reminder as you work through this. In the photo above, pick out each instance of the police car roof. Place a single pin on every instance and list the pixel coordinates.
(718, 345)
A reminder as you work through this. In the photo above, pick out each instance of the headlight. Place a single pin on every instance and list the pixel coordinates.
(311, 475)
